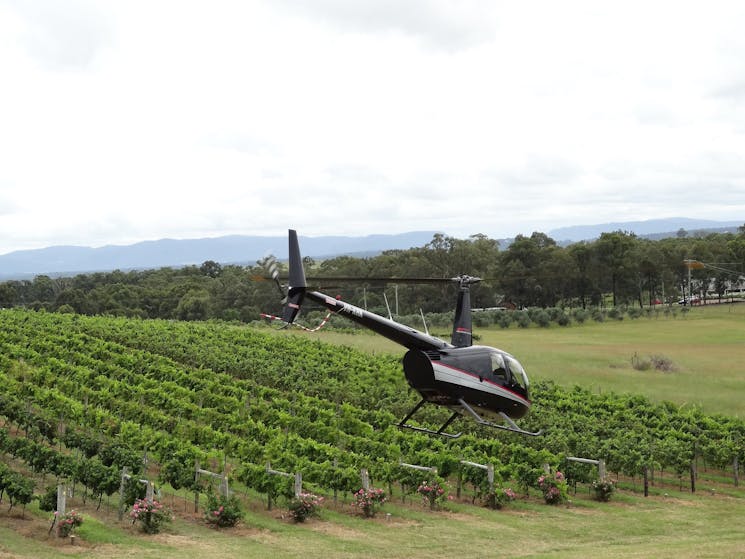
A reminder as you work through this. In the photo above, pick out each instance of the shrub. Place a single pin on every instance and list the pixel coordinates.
(305, 505)
(603, 489)
(580, 315)
(554, 488)
(542, 319)
(635, 312)
(662, 363)
(150, 514)
(222, 512)
(369, 501)
(504, 319)
(432, 492)
(499, 498)
(522, 319)
(640, 364)
(656, 362)
(66, 523)
(615, 313)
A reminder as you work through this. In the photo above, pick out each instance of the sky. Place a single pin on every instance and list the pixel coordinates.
(138, 120)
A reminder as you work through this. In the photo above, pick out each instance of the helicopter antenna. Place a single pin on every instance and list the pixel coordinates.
(387, 306)
(426, 330)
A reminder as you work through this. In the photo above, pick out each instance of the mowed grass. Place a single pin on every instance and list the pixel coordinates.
(665, 525)
(706, 347)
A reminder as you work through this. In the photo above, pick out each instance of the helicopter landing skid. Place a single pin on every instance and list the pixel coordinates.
(441, 431)
(510, 424)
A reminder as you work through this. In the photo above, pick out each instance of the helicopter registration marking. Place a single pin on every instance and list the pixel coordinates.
(351, 309)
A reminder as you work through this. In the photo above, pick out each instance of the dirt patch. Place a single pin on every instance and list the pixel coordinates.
(335, 530)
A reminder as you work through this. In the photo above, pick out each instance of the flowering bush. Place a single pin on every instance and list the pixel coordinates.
(554, 488)
(150, 514)
(368, 501)
(603, 489)
(499, 498)
(433, 492)
(305, 505)
(66, 523)
(222, 512)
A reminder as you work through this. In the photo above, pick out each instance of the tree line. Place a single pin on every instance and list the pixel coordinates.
(617, 269)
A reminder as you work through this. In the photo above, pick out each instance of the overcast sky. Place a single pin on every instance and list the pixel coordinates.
(126, 121)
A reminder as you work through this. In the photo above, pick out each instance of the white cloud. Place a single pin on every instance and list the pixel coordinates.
(138, 120)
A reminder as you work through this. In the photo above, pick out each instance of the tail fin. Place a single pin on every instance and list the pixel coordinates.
(463, 323)
(297, 285)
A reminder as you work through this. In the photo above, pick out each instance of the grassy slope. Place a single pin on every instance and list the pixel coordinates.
(677, 525)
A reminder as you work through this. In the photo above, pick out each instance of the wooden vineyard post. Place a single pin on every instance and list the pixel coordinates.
(196, 487)
(298, 482)
(693, 476)
(149, 490)
(736, 471)
(599, 463)
(223, 477)
(489, 472)
(336, 491)
(365, 479)
(646, 480)
(415, 467)
(61, 499)
(121, 492)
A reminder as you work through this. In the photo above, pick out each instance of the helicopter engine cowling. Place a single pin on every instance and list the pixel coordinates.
(418, 370)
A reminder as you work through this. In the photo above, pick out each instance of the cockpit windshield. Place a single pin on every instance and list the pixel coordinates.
(509, 369)
(518, 373)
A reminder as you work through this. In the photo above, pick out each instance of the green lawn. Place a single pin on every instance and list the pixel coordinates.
(666, 525)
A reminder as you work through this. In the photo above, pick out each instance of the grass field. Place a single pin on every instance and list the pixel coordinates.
(706, 346)
(666, 525)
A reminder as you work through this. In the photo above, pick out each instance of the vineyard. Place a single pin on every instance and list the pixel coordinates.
(84, 397)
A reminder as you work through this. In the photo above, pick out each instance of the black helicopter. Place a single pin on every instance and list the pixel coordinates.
(478, 382)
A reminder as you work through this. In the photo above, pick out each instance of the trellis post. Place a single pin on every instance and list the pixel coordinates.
(736, 471)
(489, 472)
(298, 482)
(61, 499)
(599, 463)
(149, 490)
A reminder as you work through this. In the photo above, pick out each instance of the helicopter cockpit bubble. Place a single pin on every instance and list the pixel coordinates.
(506, 367)
(518, 374)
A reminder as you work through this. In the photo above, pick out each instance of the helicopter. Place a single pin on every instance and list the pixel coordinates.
(481, 383)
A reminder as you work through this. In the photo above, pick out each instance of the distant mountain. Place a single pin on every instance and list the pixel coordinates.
(241, 249)
(233, 249)
(653, 228)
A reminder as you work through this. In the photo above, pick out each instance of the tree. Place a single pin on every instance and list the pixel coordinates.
(615, 252)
